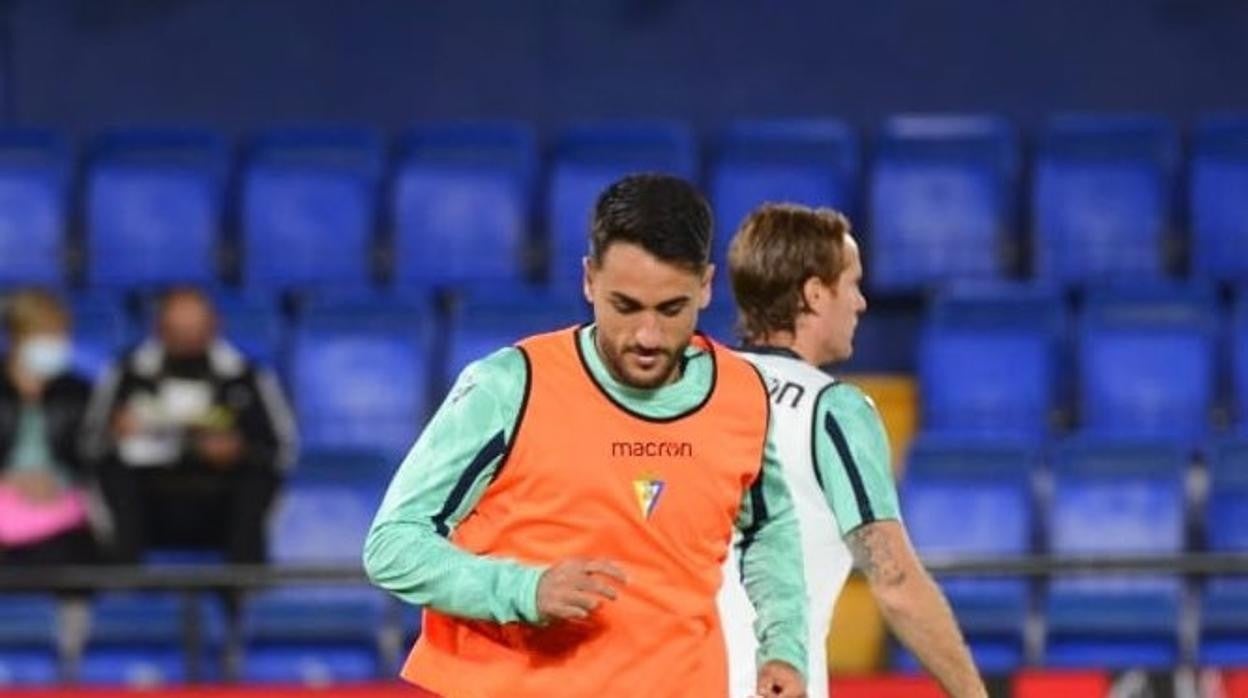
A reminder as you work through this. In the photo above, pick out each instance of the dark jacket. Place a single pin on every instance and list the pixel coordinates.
(64, 403)
(251, 395)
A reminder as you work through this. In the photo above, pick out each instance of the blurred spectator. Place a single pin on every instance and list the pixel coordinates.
(43, 514)
(192, 439)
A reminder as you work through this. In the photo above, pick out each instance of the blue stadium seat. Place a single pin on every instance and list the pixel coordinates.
(988, 360)
(1101, 201)
(154, 201)
(587, 158)
(309, 199)
(1239, 359)
(719, 319)
(136, 639)
(490, 317)
(972, 497)
(942, 201)
(254, 323)
(1224, 637)
(317, 635)
(1147, 361)
(1115, 497)
(34, 174)
(1218, 198)
(27, 641)
(359, 372)
(462, 203)
(27, 667)
(101, 331)
(811, 162)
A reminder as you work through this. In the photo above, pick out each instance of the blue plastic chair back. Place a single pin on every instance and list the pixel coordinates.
(154, 200)
(310, 207)
(941, 201)
(359, 373)
(462, 203)
(1218, 198)
(1147, 361)
(34, 168)
(1101, 200)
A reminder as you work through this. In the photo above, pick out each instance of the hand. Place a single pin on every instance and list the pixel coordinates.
(37, 487)
(29, 388)
(219, 449)
(779, 680)
(572, 589)
(125, 423)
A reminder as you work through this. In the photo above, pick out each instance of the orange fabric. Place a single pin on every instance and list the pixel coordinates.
(586, 478)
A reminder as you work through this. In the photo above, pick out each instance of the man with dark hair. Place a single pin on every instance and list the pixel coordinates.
(564, 516)
(796, 274)
(192, 439)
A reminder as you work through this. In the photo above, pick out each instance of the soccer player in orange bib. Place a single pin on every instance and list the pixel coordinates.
(565, 514)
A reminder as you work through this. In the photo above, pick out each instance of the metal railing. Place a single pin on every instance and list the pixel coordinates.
(192, 581)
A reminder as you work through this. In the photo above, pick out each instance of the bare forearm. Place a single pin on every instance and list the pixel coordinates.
(914, 607)
(920, 617)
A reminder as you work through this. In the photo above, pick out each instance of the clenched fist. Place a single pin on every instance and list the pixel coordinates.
(779, 680)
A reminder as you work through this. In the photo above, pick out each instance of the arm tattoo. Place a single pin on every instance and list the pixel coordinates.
(873, 554)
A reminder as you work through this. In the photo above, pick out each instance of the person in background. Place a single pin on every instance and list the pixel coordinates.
(796, 277)
(43, 513)
(191, 439)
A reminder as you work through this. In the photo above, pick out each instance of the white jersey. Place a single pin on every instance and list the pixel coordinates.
(816, 457)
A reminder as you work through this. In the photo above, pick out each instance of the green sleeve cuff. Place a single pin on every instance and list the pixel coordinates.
(525, 583)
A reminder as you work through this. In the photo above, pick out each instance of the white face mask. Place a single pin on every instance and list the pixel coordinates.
(44, 356)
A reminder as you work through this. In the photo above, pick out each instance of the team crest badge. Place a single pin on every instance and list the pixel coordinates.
(648, 490)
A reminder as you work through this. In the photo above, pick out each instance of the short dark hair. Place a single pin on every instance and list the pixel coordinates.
(664, 215)
(775, 251)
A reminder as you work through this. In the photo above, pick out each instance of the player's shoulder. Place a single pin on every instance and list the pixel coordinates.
(500, 373)
(781, 367)
(852, 409)
(846, 397)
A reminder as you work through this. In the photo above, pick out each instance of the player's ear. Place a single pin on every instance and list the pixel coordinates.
(587, 281)
(705, 290)
(812, 291)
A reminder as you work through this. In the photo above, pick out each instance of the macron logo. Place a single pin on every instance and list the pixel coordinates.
(651, 449)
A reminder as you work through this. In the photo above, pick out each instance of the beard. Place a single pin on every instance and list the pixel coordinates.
(617, 362)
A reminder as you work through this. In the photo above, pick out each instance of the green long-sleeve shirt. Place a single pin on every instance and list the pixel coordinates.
(408, 552)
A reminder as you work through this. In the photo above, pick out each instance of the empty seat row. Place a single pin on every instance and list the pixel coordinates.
(942, 199)
(1099, 498)
(1142, 360)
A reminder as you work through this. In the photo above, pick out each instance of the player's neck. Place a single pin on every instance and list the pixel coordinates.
(789, 341)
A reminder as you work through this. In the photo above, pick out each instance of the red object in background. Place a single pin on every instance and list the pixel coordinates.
(1074, 684)
(886, 687)
(1236, 683)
